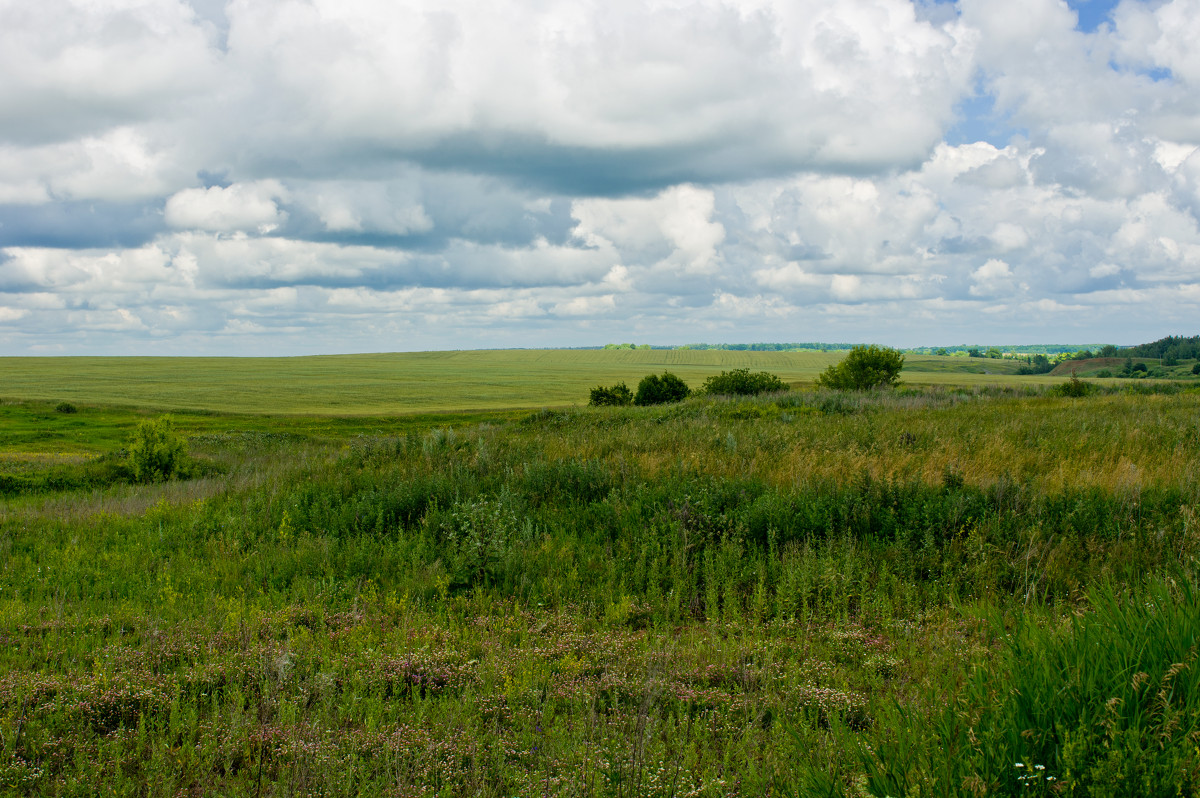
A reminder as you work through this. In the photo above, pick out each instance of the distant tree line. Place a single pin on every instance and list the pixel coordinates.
(1036, 364)
(759, 347)
(1173, 347)
(770, 347)
(1169, 350)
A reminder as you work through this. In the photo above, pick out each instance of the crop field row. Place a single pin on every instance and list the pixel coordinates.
(421, 382)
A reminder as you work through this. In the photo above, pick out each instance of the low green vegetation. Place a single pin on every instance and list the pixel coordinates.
(742, 382)
(615, 396)
(156, 452)
(864, 368)
(920, 591)
(655, 389)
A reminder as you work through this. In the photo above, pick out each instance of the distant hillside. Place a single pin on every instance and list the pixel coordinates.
(1085, 367)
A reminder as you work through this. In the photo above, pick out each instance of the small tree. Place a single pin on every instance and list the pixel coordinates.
(742, 382)
(617, 395)
(1073, 387)
(864, 368)
(656, 390)
(156, 452)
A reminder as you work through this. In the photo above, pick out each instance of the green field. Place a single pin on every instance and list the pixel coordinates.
(420, 382)
(981, 588)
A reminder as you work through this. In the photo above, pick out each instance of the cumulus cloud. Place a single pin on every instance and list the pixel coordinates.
(251, 206)
(672, 234)
(600, 94)
(519, 173)
(73, 68)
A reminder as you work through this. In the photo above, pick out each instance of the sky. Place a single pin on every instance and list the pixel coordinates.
(285, 177)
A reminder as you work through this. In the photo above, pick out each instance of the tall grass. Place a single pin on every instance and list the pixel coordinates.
(715, 598)
(1105, 703)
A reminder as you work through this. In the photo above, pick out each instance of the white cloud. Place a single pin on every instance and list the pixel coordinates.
(673, 232)
(586, 306)
(241, 206)
(751, 82)
(391, 207)
(488, 171)
(9, 315)
(991, 279)
(74, 68)
(1161, 35)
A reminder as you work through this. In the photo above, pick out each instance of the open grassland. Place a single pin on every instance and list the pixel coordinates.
(921, 592)
(420, 381)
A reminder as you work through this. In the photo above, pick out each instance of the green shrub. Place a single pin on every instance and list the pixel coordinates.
(1140, 367)
(66, 407)
(656, 390)
(864, 368)
(1104, 373)
(1073, 387)
(742, 382)
(156, 452)
(1196, 369)
(617, 395)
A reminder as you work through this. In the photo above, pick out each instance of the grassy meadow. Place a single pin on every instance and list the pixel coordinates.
(943, 589)
(419, 382)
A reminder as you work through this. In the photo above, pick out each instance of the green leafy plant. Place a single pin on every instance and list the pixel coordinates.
(1073, 387)
(66, 407)
(1110, 702)
(657, 390)
(156, 452)
(864, 368)
(1196, 369)
(742, 382)
(617, 395)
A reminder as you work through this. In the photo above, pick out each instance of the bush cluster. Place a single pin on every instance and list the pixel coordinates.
(742, 382)
(652, 390)
(656, 390)
(617, 395)
(866, 367)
